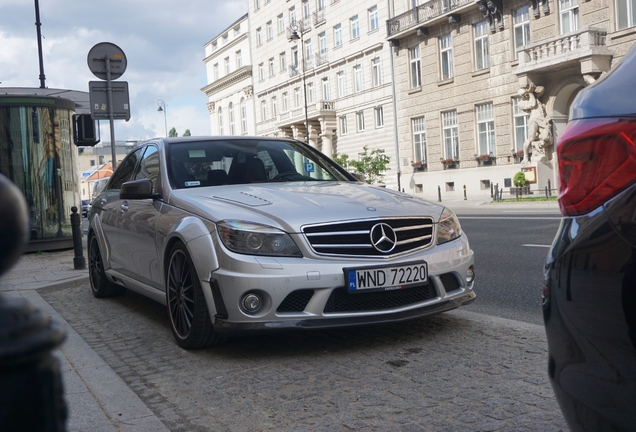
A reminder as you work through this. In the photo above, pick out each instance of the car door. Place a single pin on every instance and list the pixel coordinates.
(139, 219)
(108, 206)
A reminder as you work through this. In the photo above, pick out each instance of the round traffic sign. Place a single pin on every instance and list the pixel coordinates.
(97, 60)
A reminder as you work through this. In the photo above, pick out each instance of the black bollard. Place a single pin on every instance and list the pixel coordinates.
(439, 194)
(491, 190)
(31, 393)
(76, 224)
(465, 192)
(549, 188)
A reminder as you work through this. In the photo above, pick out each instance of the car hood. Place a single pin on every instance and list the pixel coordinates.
(291, 205)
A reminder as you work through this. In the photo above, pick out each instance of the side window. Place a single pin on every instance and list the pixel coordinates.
(124, 171)
(149, 167)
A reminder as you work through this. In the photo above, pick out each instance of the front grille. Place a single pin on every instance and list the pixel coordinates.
(450, 282)
(296, 301)
(342, 301)
(354, 237)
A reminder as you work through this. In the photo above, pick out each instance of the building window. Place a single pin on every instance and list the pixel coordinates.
(308, 51)
(343, 125)
(297, 97)
(342, 85)
(446, 52)
(311, 93)
(261, 72)
(259, 36)
(521, 21)
(419, 139)
(569, 15)
(92, 162)
(357, 78)
(271, 67)
(379, 117)
(320, 4)
(521, 124)
(294, 58)
(230, 110)
(322, 42)
(625, 13)
(264, 110)
(281, 23)
(376, 72)
(239, 59)
(215, 69)
(481, 45)
(306, 11)
(101, 160)
(274, 107)
(337, 35)
(360, 121)
(243, 116)
(285, 101)
(270, 30)
(292, 15)
(325, 89)
(485, 128)
(374, 22)
(220, 114)
(282, 58)
(451, 134)
(416, 73)
(226, 61)
(355, 27)
(257, 4)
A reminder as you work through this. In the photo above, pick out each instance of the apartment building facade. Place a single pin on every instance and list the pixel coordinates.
(230, 88)
(467, 73)
(332, 59)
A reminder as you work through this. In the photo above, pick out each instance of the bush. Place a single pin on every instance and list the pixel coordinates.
(519, 179)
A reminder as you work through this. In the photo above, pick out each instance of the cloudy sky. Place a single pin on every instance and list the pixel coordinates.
(163, 41)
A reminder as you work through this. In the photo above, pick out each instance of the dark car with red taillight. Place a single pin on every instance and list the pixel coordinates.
(589, 301)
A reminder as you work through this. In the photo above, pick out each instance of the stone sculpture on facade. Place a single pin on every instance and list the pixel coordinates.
(539, 125)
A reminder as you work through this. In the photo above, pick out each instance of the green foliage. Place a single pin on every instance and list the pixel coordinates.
(371, 165)
(519, 179)
(187, 133)
(173, 133)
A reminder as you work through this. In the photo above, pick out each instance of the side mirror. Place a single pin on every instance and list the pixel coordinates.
(137, 189)
(85, 130)
(359, 177)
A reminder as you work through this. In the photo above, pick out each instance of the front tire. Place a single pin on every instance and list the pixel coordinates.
(100, 285)
(187, 309)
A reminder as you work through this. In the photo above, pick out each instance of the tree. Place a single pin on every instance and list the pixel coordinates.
(187, 133)
(173, 133)
(519, 179)
(371, 165)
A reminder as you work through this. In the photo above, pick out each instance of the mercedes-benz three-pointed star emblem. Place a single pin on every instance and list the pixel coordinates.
(383, 238)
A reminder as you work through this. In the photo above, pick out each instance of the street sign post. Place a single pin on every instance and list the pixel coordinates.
(98, 93)
(108, 62)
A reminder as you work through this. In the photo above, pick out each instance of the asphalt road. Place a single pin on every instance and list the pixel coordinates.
(510, 252)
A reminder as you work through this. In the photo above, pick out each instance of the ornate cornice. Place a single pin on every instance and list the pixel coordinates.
(237, 76)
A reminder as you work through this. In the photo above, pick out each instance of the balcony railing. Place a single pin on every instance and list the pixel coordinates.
(293, 71)
(321, 58)
(422, 13)
(555, 52)
(319, 17)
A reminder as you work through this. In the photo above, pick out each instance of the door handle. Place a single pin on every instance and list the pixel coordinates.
(124, 207)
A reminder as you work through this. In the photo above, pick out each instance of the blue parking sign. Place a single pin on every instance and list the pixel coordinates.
(309, 167)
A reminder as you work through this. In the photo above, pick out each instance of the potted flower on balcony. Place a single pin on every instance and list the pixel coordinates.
(518, 155)
(449, 163)
(484, 159)
(418, 166)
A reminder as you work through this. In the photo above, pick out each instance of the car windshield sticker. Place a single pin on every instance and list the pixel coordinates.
(309, 167)
(193, 183)
(196, 153)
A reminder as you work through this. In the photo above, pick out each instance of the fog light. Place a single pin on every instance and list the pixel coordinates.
(470, 275)
(251, 303)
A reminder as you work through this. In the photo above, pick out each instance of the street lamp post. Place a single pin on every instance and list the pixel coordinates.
(297, 34)
(162, 108)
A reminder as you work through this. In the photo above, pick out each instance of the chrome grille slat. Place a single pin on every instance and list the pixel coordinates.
(353, 238)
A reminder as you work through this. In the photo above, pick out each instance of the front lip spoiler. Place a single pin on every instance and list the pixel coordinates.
(235, 329)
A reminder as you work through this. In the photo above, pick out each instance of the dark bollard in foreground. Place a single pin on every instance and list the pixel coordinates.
(439, 194)
(76, 224)
(31, 394)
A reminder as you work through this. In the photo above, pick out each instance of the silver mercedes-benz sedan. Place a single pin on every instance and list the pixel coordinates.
(244, 234)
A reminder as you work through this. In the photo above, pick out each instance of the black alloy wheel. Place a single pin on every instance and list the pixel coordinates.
(187, 309)
(100, 285)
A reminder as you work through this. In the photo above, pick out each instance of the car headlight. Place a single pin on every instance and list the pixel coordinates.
(448, 227)
(255, 239)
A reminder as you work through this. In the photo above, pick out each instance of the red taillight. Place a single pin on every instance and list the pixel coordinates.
(597, 160)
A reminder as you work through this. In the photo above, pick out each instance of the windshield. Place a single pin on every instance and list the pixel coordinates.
(243, 161)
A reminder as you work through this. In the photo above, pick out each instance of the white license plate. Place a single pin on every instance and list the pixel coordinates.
(386, 278)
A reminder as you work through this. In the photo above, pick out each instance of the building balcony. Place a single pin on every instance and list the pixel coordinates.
(586, 46)
(321, 58)
(319, 17)
(426, 15)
